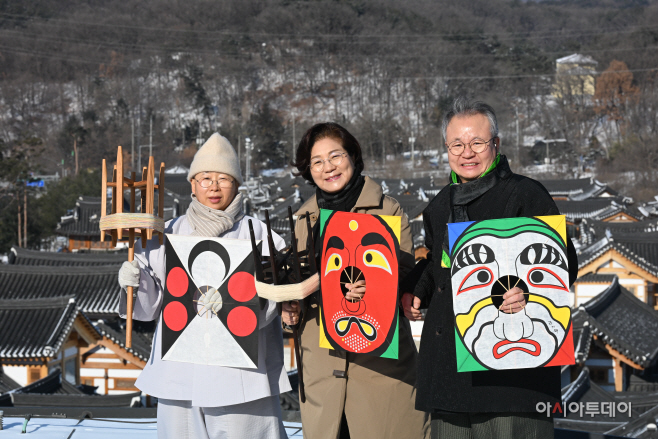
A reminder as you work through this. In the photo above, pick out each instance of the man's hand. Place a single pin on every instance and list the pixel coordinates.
(290, 312)
(356, 291)
(514, 301)
(411, 307)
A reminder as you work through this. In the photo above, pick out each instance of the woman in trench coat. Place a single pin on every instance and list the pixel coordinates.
(375, 396)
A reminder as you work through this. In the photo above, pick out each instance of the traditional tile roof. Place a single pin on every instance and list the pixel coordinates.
(592, 230)
(411, 205)
(625, 323)
(54, 391)
(21, 256)
(95, 288)
(22, 339)
(640, 427)
(595, 208)
(83, 220)
(591, 278)
(641, 249)
(577, 189)
(6, 383)
(142, 335)
(584, 390)
(582, 337)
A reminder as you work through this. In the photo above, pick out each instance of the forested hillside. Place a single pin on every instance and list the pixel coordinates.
(78, 78)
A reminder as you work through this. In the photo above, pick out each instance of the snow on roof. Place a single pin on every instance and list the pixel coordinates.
(577, 58)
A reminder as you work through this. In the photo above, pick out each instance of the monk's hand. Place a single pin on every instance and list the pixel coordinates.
(411, 307)
(356, 291)
(290, 312)
(513, 301)
(212, 300)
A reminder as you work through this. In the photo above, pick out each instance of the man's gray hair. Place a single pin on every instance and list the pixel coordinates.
(463, 107)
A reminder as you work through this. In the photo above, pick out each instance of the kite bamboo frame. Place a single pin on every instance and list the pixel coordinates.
(145, 222)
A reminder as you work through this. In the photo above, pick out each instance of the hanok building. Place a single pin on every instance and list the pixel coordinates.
(575, 76)
(578, 189)
(613, 414)
(105, 363)
(42, 334)
(631, 256)
(615, 338)
(55, 391)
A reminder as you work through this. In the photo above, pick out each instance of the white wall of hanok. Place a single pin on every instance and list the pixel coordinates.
(115, 377)
(585, 292)
(16, 373)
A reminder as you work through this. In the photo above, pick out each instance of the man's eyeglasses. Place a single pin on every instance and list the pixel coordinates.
(336, 158)
(477, 146)
(221, 182)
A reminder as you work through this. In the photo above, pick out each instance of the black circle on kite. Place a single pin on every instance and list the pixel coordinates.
(483, 276)
(368, 257)
(210, 246)
(505, 283)
(337, 261)
(537, 276)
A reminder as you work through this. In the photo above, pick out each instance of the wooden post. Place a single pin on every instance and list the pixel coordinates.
(20, 230)
(103, 195)
(619, 374)
(25, 218)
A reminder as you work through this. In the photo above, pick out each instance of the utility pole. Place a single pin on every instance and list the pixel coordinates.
(294, 138)
(18, 203)
(132, 140)
(412, 140)
(75, 151)
(151, 136)
(247, 147)
(24, 218)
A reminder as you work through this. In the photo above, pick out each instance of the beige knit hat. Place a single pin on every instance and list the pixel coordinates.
(216, 155)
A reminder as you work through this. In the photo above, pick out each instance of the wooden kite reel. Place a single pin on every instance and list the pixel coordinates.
(145, 221)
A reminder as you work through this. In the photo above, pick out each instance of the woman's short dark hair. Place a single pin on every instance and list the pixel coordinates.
(322, 131)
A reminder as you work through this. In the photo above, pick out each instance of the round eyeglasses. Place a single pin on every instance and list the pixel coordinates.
(477, 146)
(221, 182)
(336, 158)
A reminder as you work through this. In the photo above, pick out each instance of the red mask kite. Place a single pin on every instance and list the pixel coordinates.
(360, 247)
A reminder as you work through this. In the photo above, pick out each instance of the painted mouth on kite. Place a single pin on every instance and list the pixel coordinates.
(366, 328)
(528, 346)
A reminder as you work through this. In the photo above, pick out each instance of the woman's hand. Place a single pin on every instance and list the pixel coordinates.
(290, 312)
(514, 301)
(356, 291)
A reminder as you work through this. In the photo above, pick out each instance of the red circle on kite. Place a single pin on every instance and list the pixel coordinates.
(241, 321)
(175, 316)
(177, 282)
(241, 286)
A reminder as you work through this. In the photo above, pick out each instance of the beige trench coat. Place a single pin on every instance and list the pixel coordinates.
(378, 395)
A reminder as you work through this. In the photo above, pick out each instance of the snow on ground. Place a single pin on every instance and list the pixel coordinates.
(52, 428)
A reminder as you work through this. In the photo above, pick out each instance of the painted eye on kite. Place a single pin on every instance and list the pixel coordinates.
(374, 258)
(478, 278)
(335, 262)
(545, 278)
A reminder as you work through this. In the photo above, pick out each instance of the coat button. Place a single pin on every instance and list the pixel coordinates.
(439, 329)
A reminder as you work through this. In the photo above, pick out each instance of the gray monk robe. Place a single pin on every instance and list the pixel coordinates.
(205, 386)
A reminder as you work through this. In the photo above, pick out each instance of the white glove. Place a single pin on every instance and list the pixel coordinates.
(212, 300)
(129, 274)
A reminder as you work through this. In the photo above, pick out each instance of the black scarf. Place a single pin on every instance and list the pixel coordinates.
(462, 194)
(345, 199)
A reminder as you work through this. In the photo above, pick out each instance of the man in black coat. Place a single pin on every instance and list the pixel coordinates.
(491, 403)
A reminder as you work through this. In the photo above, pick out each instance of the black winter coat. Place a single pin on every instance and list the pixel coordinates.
(439, 386)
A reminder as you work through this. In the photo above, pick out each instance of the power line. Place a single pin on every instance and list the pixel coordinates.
(476, 35)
